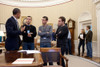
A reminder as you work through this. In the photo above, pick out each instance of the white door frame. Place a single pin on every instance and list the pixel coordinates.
(97, 3)
(85, 18)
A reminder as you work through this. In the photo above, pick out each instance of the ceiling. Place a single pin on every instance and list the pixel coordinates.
(33, 3)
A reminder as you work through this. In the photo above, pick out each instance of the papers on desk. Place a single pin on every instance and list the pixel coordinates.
(30, 51)
(2, 48)
(23, 61)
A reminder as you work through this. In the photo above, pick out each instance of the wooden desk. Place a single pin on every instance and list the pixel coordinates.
(8, 57)
(2, 43)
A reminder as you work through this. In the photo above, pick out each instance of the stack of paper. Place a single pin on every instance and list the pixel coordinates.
(23, 61)
(30, 51)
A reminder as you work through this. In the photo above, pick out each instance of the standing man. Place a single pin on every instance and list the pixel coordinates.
(89, 36)
(53, 35)
(29, 34)
(69, 44)
(45, 33)
(62, 34)
(12, 28)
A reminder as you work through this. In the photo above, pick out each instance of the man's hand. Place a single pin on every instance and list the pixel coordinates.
(22, 29)
(29, 35)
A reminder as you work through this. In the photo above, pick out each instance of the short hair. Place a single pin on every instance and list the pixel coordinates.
(88, 27)
(62, 18)
(30, 16)
(45, 18)
(16, 10)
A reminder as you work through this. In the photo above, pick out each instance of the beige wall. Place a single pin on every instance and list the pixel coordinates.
(69, 10)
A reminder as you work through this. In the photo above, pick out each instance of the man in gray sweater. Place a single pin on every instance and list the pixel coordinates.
(45, 33)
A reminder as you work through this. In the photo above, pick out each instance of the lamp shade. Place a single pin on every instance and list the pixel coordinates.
(1, 33)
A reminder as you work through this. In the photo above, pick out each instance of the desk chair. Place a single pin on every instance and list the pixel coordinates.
(53, 55)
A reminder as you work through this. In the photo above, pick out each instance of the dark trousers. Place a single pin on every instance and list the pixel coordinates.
(46, 45)
(63, 50)
(81, 43)
(68, 47)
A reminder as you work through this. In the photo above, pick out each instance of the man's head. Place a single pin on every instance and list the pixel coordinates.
(28, 19)
(61, 21)
(44, 20)
(88, 28)
(16, 13)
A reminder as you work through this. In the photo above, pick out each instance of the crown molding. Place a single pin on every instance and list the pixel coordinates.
(41, 3)
(96, 1)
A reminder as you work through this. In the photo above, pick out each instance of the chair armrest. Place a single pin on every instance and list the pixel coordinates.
(64, 59)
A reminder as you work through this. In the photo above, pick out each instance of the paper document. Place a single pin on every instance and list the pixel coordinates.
(23, 61)
(30, 51)
(81, 36)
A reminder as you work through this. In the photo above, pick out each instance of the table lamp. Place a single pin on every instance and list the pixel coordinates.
(1, 35)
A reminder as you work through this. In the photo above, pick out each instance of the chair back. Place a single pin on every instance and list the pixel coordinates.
(51, 54)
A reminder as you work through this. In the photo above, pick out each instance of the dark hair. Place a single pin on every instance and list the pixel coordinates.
(30, 16)
(16, 10)
(63, 18)
(45, 18)
(88, 27)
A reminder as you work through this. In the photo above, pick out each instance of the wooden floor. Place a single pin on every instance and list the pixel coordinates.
(96, 59)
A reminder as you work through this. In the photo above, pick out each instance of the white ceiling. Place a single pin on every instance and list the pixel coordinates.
(32, 3)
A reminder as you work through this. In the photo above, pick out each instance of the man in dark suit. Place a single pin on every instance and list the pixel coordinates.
(62, 34)
(89, 36)
(12, 29)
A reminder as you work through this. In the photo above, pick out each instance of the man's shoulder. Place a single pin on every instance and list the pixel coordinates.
(33, 26)
(90, 31)
(49, 26)
(66, 26)
(40, 26)
(9, 20)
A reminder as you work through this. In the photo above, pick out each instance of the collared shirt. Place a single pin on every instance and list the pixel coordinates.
(69, 35)
(87, 31)
(15, 18)
(16, 22)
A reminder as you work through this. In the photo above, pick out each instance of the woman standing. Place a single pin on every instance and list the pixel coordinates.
(81, 42)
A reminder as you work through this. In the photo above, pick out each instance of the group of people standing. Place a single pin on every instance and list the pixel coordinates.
(86, 38)
(28, 32)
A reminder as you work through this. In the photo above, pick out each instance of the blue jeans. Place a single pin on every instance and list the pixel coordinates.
(45, 45)
(28, 46)
(89, 49)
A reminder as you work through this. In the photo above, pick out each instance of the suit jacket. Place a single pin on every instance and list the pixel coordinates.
(62, 34)
(89, 36)
(13, 40)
